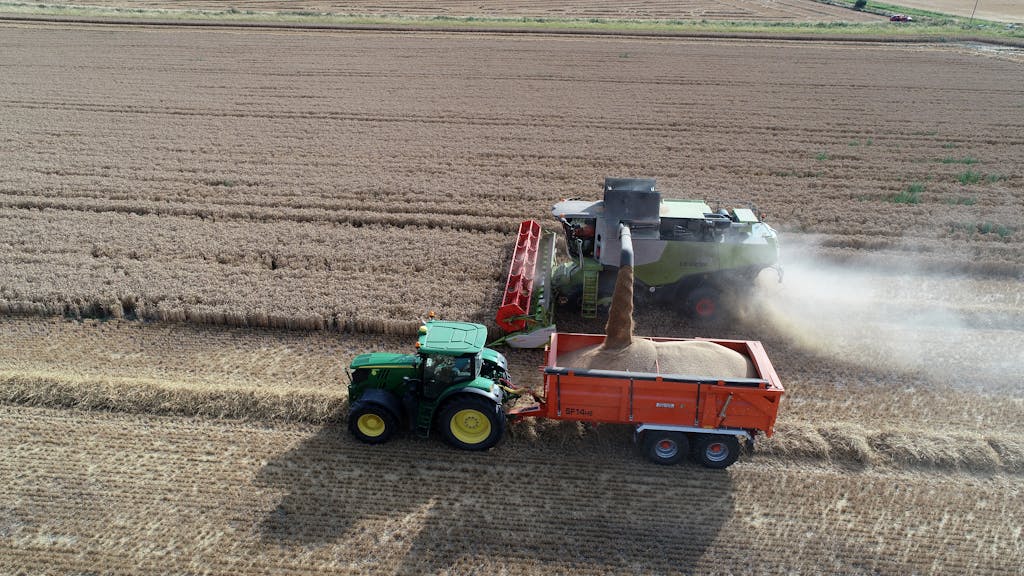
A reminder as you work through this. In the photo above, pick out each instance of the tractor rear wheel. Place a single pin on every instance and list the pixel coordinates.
(716, 450)
(665, 447)
(472, 423)
(372, 423)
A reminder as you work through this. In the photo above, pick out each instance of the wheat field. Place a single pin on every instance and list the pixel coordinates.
(195, 182)
(733, 10)
(200, 228)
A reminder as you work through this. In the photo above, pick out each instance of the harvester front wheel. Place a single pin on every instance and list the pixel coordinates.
(372, 423)
(716, 450)
(665, 447)
(472, 423)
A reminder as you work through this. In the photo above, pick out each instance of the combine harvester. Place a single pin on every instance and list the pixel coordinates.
(455, 386)
(687, 256)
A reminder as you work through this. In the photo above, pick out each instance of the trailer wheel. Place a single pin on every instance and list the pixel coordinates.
(716, 451)
(472, 423)
(371, 423)
(665, 447)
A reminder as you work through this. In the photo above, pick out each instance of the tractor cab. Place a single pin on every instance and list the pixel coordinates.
(450, 353)
(439, 371)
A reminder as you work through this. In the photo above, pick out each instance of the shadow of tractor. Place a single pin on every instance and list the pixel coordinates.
(415, 506)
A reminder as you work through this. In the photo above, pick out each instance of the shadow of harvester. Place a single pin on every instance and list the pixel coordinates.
(414, 506)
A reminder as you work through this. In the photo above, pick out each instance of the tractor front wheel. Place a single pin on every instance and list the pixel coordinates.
(472, 423)
(372, 423)
(716, 450)
(665, 447)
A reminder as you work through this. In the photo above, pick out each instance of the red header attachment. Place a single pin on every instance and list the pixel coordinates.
(515, 304)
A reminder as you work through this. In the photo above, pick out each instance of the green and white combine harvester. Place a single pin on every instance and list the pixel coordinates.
(687, 255)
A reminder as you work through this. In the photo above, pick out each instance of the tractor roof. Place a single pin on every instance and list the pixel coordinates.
(454, 338)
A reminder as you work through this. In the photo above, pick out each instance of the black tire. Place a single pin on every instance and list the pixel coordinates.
(571, 301)
(372, 423)
(716, 450)
(704, 304)
(470, 422)
(665, 448)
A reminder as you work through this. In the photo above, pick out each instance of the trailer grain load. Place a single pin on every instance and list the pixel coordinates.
(703, 358)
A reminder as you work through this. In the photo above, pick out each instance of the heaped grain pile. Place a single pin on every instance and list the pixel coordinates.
(622, 350)
(703, 359)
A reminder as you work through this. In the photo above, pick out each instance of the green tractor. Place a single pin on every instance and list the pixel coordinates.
(452, 384)
(686, 255)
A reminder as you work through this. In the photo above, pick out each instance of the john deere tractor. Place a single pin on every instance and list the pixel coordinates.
(452, 384)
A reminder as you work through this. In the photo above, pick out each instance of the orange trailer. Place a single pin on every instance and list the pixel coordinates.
(675, 415)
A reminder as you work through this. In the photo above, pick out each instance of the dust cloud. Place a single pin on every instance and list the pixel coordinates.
(965, 332)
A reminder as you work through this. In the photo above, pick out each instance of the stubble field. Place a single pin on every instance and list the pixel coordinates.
(999, 10)
(171, 199)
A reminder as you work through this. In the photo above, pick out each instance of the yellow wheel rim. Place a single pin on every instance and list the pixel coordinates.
(371, 425)
(470, 426)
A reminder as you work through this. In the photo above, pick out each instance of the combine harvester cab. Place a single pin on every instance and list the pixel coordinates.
(687, 255)
(705, 417)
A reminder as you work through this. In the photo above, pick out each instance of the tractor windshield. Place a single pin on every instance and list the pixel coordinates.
(447, 370)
